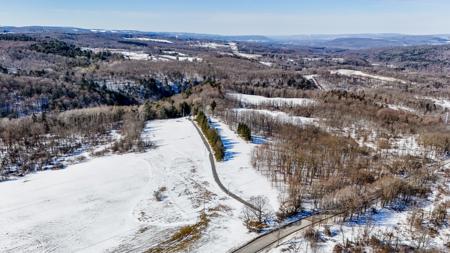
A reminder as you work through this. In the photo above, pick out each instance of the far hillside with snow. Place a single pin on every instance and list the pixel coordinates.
(279, 116)
(151, 40)
(211, 45)
(234, 47)
(444, 103)
(349, 72)
(260, 100)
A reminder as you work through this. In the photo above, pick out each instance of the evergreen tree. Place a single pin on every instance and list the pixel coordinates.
(244, 131)
(213, 106)
(185, 109)
(212, 136)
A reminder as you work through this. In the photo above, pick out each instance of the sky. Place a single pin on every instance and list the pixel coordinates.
(236, 17)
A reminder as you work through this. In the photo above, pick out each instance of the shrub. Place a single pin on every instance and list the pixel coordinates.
(312, 235)
(327, 231)
(159, 193)
(244, 131)
(338, 248)
(439, 215)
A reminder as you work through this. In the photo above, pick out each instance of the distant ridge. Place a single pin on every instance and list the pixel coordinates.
(343, 41)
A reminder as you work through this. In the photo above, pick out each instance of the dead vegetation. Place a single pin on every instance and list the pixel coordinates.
(185, 237)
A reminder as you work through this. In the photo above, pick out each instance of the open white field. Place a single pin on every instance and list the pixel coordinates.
(277, 115)
(260, 100)
(107, 204)
(349, 72)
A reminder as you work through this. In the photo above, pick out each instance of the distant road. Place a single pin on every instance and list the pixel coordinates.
(317, 83)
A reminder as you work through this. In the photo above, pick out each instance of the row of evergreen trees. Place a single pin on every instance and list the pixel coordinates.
(212, 135)
(244, 131)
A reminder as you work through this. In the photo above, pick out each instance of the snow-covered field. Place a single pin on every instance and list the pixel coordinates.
(401, 108)
(142, 56)
(260, 100)
(310, 77)
(151, 40)
(108, 205)
(236, 171)
(211, 45)
(444, 103)
(84, 207)
(181, 58)
(136, 56)
(234, 47)
(349, 72)
(279, 116)
(265, 63)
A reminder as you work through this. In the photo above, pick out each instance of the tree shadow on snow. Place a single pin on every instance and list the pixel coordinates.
(228, 143)
(256, 139)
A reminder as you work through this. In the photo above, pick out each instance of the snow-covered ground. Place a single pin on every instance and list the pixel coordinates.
(444, 103)
(279, 116)
(211, 45)
(234, 47)
(387, 223)
(236, 171)
(136, 55)
(226, 47)
(182, 58)
(139, 56)
(260, 100)
(401, 108)
(310, 77)
(84, 207)
(403, 145)
(151, 40)
(142, 56)
(349, 72)
(107, 204)
(265, 63)
(382, 224)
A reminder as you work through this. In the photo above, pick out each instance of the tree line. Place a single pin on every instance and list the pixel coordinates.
(212, 136)
(38, 142)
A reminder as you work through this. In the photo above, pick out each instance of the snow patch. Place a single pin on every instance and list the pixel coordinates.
(151, 40)
(268, 64)
(235, 49)
(211, 45)
(444, 103)
(349, 72)
(260, 100)
(279, 116)
(401, 108)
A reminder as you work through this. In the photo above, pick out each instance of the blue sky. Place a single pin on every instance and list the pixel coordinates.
(265, 17)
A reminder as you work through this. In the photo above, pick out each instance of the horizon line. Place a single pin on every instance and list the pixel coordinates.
(222, 35)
